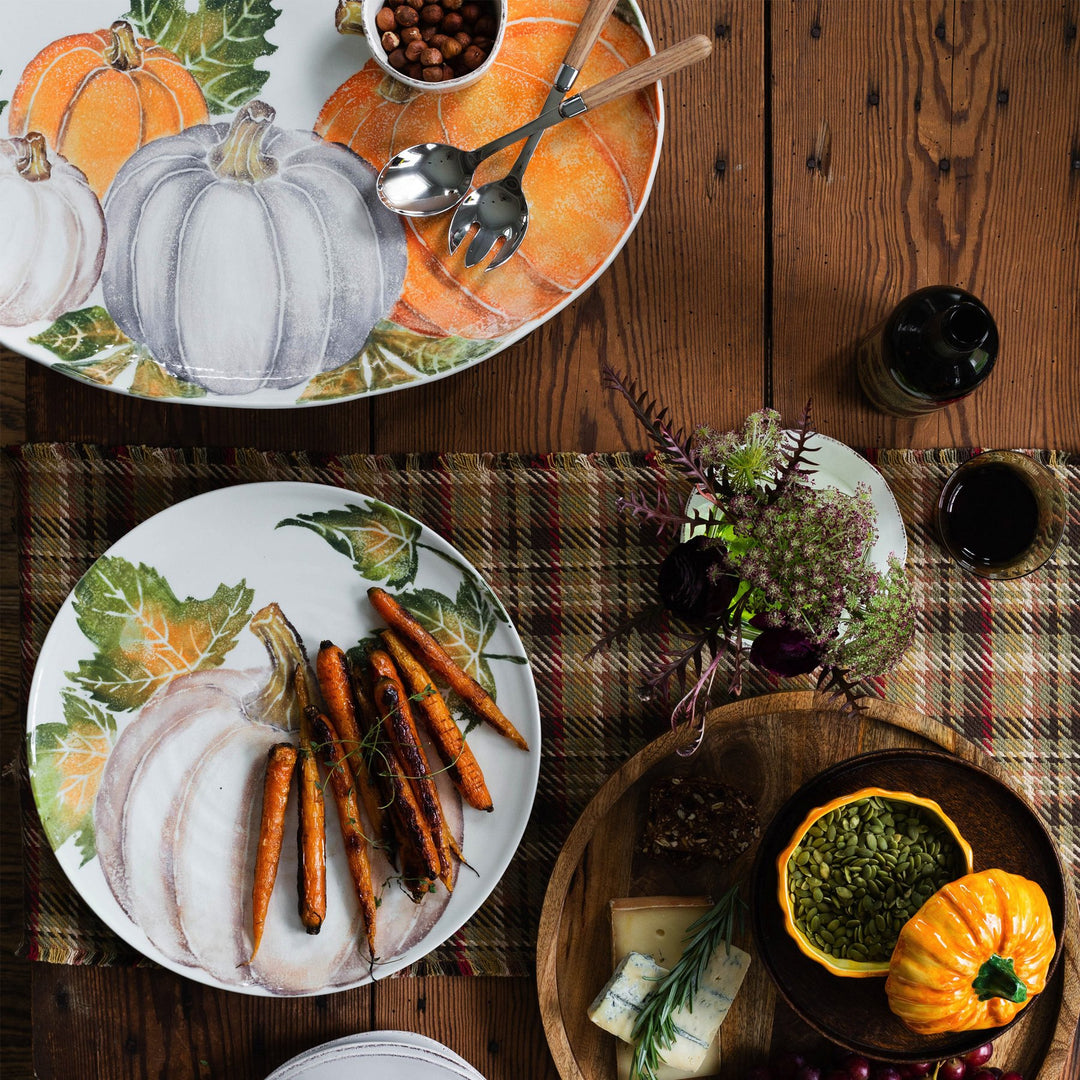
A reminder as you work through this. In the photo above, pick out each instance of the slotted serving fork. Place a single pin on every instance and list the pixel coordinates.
(499, 208)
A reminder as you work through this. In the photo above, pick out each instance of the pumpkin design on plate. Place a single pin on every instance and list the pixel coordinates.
(177, 824)
(587, 180)
(98, 97)
(52, 233)
(245, 255)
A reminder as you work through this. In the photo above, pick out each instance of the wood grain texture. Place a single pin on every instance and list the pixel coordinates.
(767, 746)
(918, 144)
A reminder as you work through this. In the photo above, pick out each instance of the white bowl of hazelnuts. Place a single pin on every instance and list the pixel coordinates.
(435, 45)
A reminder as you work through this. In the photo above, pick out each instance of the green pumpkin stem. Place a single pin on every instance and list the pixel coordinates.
(349, 17)
(30, 157)
(997, 978)
(240, 155)
(123, 52)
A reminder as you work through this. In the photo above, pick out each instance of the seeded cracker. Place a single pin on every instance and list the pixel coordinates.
(692, 818)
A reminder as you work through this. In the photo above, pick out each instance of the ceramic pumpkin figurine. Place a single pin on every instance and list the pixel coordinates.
(586, 182)
(98, 97)
(245, 256)
(52, 233)
(973, 955)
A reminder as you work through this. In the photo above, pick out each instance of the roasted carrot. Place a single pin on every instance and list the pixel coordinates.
(310, 836)
(400, 727)
(280, 763)
(332, 668)
(332, 754)
(456, 755)
(420, 862)
(436, 659)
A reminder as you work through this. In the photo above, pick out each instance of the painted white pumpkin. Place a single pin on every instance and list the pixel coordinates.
(246, 256)
(52, 233)
(176, 824)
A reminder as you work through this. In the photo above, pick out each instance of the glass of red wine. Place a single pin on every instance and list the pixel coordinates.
(1001, 514)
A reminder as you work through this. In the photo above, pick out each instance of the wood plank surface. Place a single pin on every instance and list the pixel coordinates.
(748, 279)
(920, 144)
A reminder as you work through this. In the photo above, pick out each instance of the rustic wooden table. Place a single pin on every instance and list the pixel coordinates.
(831, 156)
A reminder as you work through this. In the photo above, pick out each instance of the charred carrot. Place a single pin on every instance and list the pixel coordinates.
(436, 659)
(330, 750)
(420, 860)
(400, 727)
(332, 668)
(375, 743)
(280, 763)
(310, 836)
(456, 755)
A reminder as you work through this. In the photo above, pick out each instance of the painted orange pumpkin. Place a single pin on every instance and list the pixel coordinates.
(98, 97)
(586, 182)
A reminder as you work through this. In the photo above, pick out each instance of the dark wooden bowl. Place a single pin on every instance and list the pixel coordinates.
(1003, 832)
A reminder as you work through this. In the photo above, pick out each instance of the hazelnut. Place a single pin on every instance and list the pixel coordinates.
(396, 59)
(390, 41)
(448, 73)
(430, 57)
(431, 14)
(384, 20)
(415, 70)
(473, 57)
(463, 38)
(452, 5)
(410, 33)
(438, 41)
(485, 25)
(406, 16)
(433, 74)
(470, 12)
(450, 48)
(482, 42)
(414, 50)
(416, 5)
(452, 22)
(428, 33)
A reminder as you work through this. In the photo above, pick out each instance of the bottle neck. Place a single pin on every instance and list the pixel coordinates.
(956, 332)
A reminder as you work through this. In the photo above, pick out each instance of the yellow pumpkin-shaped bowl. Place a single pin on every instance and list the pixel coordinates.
(847, 966)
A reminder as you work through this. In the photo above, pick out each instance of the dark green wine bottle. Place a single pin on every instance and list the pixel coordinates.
(936, 347)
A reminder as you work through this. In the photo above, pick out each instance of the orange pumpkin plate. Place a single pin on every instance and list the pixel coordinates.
(247, 259)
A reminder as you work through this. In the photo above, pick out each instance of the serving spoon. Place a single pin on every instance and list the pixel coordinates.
(431, 178)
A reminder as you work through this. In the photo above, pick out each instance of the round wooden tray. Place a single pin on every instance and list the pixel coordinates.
(768, 746)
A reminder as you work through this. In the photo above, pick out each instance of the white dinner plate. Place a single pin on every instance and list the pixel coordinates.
(150, 717)
(388, 1055)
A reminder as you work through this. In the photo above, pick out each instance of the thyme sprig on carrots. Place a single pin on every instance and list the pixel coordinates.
(654, 1030)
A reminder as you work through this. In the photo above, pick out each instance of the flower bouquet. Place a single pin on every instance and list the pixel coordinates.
(765, 568)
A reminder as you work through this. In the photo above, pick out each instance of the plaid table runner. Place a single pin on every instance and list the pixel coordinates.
(998, 661)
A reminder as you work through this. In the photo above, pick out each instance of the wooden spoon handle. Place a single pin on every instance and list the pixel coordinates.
(588, 31)
(648, 71)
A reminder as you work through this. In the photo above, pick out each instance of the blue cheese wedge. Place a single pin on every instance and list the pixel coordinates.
(617, 1006)
(647, 941)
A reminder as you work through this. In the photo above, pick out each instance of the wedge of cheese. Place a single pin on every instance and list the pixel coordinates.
(647, 940)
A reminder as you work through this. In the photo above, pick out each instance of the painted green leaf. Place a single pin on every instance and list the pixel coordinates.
(218, 43)
(103, 370)
(463, 626)
(69, 759)
(78, 335)
(381, 541)
(145, 636)
(392, 356)
(3, 105)
(153, 381)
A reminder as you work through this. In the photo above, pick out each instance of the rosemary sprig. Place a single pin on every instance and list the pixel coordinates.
(654, 1029)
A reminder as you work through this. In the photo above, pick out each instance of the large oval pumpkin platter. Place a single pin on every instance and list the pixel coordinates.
(784, 753)
(232, 157)
(160, 689)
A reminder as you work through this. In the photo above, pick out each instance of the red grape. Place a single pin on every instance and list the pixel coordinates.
(1011, 1076)
(980, 1055)
(916, 1070)
(808, 1072)
(886, 1072)
(787, 1065)
(987, 1073)
(856, 1066)
(952, 1069)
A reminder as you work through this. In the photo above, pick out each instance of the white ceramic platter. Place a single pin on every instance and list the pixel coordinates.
(389, 1055)
(154, 702)
(837, 465)
(227, 246)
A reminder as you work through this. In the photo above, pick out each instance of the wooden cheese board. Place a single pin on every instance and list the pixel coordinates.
(768, 747)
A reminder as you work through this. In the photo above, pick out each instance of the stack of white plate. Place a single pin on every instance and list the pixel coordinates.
(388, 1055)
